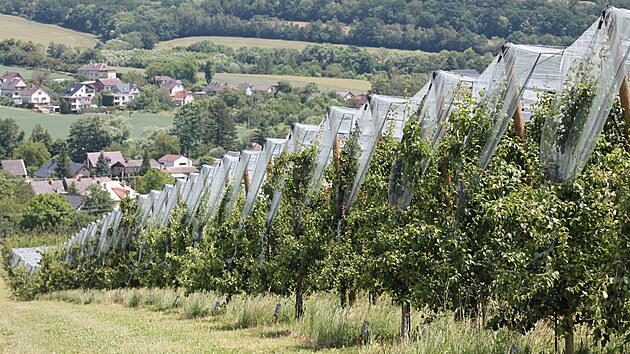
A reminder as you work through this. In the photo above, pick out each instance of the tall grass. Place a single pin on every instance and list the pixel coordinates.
(326, 324)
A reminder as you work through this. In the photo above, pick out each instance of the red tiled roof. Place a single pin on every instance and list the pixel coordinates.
(181, 95)
(10, 76)
(110, 82)
(169, 157)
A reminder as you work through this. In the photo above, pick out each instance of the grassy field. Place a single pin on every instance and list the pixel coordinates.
(58, 125)
(324, 83)
(237, 42)
(27, 73)
(19, 28)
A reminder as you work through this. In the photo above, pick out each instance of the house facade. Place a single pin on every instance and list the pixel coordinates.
(172, 160)
(97, 71)
(79, 95)
(124, 93)
(11, 83)
(35, 95)
(106, 84)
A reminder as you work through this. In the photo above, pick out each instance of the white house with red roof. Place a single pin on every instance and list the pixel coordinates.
(183, 97)
(172, 160)
(97, 71)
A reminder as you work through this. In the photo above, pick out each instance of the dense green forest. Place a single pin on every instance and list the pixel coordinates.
(428, 25)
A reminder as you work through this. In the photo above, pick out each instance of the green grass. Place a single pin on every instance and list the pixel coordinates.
(19, 28)
(237, 42)
(28, 73)
(59, 125)
(324, 83)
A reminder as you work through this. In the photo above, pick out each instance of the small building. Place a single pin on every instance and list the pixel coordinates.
(128, 168)
(11, 83)
(214, 88)
(173, 87)
(91, 158)
(172, 160)
(97, 71)
(14, 167)
(79, 95)
(346, 95)
(119, 191)
(124, 93)
(106, 84)
(48, 170)
(183, 97)
(81, 184)
(35, 95)
(48, 187)
(75, 200)
(181, 172)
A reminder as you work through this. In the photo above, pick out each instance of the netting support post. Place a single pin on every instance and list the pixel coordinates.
(624, 97)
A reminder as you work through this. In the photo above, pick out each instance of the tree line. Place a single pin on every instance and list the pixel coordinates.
(426, 25)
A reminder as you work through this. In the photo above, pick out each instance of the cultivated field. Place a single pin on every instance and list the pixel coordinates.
(19, 28)
(324, 83)
(58, 125)
(28, 73)
(237, 42)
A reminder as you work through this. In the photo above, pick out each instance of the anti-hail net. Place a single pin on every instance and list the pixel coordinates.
(592, 71)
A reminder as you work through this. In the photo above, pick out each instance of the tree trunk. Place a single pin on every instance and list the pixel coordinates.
(352, 297)
(342, 296)
(569, 344)
(299, 299)
(405, 328)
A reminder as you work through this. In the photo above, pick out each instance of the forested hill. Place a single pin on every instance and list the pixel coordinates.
(430, 25)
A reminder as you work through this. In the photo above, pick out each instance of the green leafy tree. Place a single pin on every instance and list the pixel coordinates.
(146, 164)
(34, 154)
(208, 71)
(102, 167)
(14, 194)
(10, 137)
(39, 134)
(164, 143)
(152, 99)
(154, 180)
(206, 122)
(63, 167)
(96, 200)
(89, 134)
(47, 211)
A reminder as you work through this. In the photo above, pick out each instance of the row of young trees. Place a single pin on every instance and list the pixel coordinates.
(511, 241)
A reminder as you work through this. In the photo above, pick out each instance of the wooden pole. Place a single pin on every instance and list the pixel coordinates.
(624, 91)
(624, 96)
(517, 117)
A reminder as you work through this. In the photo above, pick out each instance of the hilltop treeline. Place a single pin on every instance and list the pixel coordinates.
(426, 25)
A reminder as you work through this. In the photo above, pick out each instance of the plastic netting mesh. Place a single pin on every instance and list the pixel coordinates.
(592, 71)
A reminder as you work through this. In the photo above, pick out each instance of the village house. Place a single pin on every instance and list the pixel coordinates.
(48, 170)
(91, 159)
(79, 95)
(172, 160)
(124, 93)
(250, 89)
(35, 95)
(118, 191)
(11, 83)
(183, 97)
(47, 187)
(14, 167)
(172, 86)
(106, 84)
(97, 71)
(214, 88)
(81, 184)
(346, 95)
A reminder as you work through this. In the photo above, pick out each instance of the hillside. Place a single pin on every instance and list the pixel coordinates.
(238, 42)
(430, 25)
(19, 28)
